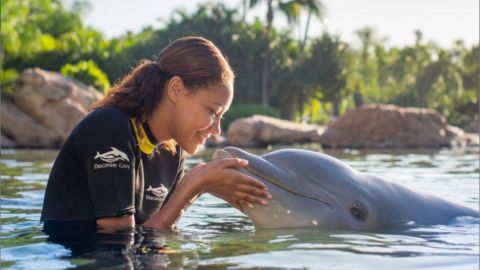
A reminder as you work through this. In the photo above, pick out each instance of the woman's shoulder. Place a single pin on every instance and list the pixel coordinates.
(105, 120)
(108, 112)
(107, 115)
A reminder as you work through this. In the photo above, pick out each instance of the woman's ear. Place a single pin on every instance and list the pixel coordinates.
(175, 89)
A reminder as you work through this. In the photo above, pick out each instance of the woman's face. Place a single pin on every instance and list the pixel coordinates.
(198, 115)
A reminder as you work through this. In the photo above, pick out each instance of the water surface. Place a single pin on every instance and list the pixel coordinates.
(216, 236)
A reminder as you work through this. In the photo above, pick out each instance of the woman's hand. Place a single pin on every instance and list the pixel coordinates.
(220, 178)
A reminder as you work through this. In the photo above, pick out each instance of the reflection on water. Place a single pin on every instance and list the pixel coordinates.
(216, 236)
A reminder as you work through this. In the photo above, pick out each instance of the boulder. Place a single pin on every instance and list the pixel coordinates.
(7, 142)
(49, 105)
(379, 126)
(261, 130)
(472, 138)
(473, 127)
(24, 130)
(215, 141)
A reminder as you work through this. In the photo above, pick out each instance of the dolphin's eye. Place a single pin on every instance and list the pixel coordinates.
(358, 212)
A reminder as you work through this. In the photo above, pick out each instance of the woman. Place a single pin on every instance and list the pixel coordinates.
(123, 164)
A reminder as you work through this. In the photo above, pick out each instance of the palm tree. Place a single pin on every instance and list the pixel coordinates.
(291, 9)
(244, 7)
(315, 8)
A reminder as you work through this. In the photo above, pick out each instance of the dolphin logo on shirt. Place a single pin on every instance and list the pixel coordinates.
(112, 156)
(158, 191)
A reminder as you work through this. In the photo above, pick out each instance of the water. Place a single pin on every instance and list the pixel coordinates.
(216, 236)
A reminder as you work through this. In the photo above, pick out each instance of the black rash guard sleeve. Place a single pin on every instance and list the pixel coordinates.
(180, 172)
(181, 165)
(106, 147)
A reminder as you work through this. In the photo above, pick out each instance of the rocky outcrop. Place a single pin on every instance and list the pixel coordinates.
(24, 130)
(215, 141)
(391, 126)
(6, 142)
(473, 127)
(45, 109)
(263, 130)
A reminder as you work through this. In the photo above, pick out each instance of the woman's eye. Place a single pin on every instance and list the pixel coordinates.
(213, 114)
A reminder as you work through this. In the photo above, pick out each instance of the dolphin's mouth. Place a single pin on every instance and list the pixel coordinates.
(264, 170)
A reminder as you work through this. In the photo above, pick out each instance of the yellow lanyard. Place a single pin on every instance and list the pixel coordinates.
(146, 146)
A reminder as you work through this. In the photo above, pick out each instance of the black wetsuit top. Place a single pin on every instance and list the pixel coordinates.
(101, 172)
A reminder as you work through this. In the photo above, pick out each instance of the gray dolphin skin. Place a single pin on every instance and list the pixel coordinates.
(314, 189)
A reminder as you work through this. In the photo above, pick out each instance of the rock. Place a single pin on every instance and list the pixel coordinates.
(24, 129)
(7, 142)
(379, 126)
(49, 106)
(215, 141)
(473, 127)
(472, 138)
(264, 130)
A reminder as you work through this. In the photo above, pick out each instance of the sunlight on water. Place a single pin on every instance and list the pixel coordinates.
(216, 236)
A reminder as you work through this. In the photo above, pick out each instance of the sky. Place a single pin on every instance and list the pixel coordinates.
(440, 21)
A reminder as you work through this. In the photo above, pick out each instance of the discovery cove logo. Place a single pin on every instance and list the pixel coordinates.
(158, 193)
(111, 158)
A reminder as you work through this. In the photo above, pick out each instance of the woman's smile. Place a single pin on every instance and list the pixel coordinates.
(202, 137)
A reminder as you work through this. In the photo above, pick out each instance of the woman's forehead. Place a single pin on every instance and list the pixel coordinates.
(219, 94)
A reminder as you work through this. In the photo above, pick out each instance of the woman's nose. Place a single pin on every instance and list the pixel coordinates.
(215, 128)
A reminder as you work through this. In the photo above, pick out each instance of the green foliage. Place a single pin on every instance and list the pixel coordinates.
(316, 112)
(237, 111)
(318, 77)
(8, 82)
(326, 70)
(30, 26)
(88, 73)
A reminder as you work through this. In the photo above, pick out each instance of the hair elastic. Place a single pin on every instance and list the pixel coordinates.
(163, 72)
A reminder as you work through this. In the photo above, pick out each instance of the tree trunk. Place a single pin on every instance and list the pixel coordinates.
(293, 108)
(336, 109)
(305, 36)
(245, 6)
(266, 56)
(265, 71)
(357, 99)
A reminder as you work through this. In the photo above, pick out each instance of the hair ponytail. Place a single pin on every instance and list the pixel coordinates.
(138, 93)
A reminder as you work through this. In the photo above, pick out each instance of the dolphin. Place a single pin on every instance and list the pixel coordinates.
(313, 189)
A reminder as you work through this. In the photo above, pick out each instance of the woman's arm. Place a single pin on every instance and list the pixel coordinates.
(217, 177)
(167, 216)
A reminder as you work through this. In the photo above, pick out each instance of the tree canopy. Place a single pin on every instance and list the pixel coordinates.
(322, 77)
